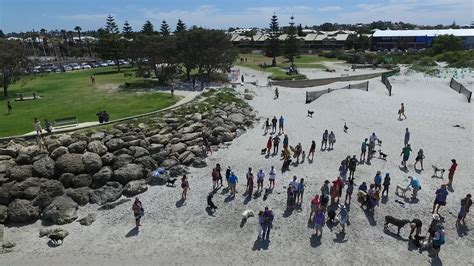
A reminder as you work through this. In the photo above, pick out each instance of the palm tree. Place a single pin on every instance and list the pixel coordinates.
(65, 43)
(43, 39)
(78, 29)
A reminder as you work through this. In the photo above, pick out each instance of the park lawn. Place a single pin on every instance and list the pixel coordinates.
(71, 94)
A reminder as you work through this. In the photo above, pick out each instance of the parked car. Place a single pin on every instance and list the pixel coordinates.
(110, 63)
(75, 66)
(123, 62)
(67, 68)
(85, 66)
(103, 64)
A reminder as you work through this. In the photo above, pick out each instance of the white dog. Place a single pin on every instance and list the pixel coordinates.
(403, 189)
(247, 214)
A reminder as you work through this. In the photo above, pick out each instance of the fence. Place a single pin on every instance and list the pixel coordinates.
(386, 82)
(313, 95)
(455, 85)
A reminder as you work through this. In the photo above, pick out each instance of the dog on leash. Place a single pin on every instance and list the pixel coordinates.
(310, 113)
(436, 170)
(211, 204)
(403, 190)
(247, 214)
(382, 155)
(171, 181)
(397, 222)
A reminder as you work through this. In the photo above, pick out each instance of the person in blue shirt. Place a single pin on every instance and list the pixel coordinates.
(415, 184)
(233, 180)
(378, 180)
(281, 122)
(363, 150)
(440, 200)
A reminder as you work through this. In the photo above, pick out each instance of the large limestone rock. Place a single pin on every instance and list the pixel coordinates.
(178, 148)
(44, 167)
(128, 173)
(237, 118)
(58, 152)
(6, 165)
(168, 163)
(139, 151)
(190, 136)
(161, 138)
(66, 179)
(122, 160)
(80, 195)
(147, 162)
(92, 162)
(82, 180)
(97, 147)
(20, 173)
(65, 139)
(62, 210)
(114, 144)
(135, 187)
(187, 158)
(77, 147)
(103, 176)
(178, 170)
(70, 163)
(22, 211)
(3, 213)
(108, 159)
(49, 189)
(108, 193)
(17, 190)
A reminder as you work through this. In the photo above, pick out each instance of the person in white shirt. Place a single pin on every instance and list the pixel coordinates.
(271, 178)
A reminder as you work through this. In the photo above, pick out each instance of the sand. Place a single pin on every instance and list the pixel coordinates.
(175, 234)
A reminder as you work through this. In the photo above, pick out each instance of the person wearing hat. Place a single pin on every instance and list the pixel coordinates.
(433, 226)
(343, 217)
(440, 200)
(452, 169)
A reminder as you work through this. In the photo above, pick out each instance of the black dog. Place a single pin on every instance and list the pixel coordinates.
(331, 215)
(397, 222)
(263, 151)
(171, 182)
(211, 204)
(310, 113)
(382, 155)
(345, 127)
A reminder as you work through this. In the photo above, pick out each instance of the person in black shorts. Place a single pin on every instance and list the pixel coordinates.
(415, 225)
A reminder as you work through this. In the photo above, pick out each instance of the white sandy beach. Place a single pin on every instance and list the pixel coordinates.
(187, 234)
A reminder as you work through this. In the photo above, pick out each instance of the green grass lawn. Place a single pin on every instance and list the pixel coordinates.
(71, 94)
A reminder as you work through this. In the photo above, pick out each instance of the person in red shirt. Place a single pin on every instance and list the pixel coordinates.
(269, 145)
(452, 169)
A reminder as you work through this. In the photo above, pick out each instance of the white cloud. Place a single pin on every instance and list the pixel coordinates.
(330, 8)
(85, 17)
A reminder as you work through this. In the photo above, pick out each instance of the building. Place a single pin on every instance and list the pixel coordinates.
(416, 39)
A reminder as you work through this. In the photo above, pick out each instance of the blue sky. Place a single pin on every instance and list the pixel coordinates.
(22, 15)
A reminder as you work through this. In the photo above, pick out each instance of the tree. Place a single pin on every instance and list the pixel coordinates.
(445, 43)
(272, 48)
(147, 28)
(127, 30)
(110, 45)
(111, 27)
(300, 31)
(78, 29)
(44, 38)
(13, 60)
(2, 35)
(327, 27)
(180, 26)
(165, 28)
(292, 44)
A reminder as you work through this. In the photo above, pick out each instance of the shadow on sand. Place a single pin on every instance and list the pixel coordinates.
(133, 232)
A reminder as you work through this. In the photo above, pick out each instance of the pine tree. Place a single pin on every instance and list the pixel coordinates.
(273, 43)
(292, 44)
(147, 28)
(127, 30)
(180, 26)
(165, 28)
(111, 26)
(300, 30)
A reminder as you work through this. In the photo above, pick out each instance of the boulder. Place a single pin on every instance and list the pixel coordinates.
(77, 147)
(191, 128)
(155, 148)
(135, 187)
(17, 190)
(3, 213)
(108, 159)
(66, 179)
(92, 162)
(97, 136)
(80, 195)
(70, 163)
(123, 151)
(20, 173)
(178, 170)
(49, 189)
(157, 180)
(103, 176)
(6, 165)
(44, 167)
(178, 148)
(128, 173)
(5, 196)
(227, 136)
(161, 138)
(190, 136)
(57, 232)
(52, 144)
(8, 152)
(248, 96)
(139, 151)
(58, 152)
(65, 140)
(82, 180)
(5, 157)
(197, 150)
(237, 118)
(22, 211)
(196, 117)
(88, 220)
(219, 130)
(62, 210)
(147, 162)
(199, 163)
(31, 192)
(108, 193)
(122, 160)
(114, 144)
(97, 147)
(168, 163)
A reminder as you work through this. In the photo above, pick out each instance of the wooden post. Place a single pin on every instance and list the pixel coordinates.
(21, 97)
(349, 86)
(34, 95)
(367, 85)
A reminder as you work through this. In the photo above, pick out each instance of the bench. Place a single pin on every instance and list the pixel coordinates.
(26, 96)
(66, 122)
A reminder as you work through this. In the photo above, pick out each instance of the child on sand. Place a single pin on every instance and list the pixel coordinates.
(315, 205)
(184, 186)
(419, 158)
(343, 217)
(269, 145)
(406, 155)
(138, 211)
(363, 150)
(332, 140)
(249, 176)
(266, 126)
(298, 150)
(233, 180)
(343, 171)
